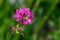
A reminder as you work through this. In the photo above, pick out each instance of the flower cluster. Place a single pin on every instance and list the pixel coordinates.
(23, 15)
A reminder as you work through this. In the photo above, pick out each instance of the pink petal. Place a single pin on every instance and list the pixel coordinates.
(25, 22)
(27, 13)
(21, 11)
(26, 9)
(17, 11)
(17, 19)
(29, 20)
(14, 16)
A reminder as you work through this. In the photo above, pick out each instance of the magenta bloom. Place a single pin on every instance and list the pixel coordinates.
(23, 15)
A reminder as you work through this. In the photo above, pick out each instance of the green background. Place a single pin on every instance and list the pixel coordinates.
(45, 25)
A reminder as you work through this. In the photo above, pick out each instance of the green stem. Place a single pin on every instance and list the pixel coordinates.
(22, 31)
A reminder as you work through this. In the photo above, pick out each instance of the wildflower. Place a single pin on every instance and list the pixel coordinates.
(16, 29)
(23, 15)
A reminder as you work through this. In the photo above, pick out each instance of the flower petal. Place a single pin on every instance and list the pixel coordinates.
(29, 20)
(17, 11)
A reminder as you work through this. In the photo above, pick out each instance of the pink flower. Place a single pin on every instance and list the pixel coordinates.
(23, 15)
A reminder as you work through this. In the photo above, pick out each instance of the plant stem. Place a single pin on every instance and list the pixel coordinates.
(22, 32)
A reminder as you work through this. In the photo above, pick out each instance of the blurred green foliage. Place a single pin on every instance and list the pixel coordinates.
(45, 25)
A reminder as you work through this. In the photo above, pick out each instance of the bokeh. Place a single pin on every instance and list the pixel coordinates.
(45, 25)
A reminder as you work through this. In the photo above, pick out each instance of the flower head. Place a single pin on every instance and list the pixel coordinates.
(11, 28)
(23, 15)
(16, 28)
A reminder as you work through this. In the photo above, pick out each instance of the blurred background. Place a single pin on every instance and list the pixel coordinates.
(45, 25)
